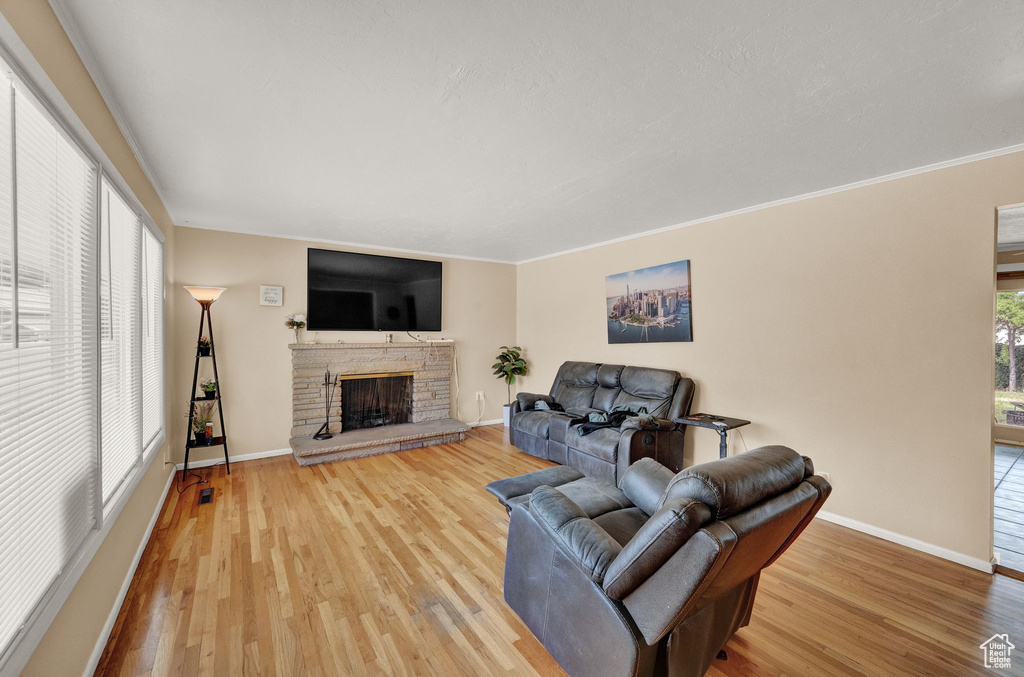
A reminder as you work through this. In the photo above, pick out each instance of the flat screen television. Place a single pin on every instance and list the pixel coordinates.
(363, 292)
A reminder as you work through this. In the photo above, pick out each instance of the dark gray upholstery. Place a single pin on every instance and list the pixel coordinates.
(585, 387)
(612, 590)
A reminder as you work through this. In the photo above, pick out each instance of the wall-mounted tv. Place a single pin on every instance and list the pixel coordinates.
(362, 292)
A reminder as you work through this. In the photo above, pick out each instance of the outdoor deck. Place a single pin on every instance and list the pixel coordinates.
(1009, 506)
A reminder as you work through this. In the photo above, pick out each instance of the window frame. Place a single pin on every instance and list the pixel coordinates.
(31, 77)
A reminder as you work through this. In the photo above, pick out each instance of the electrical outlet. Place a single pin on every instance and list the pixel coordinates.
(827, 476)
(479, 394)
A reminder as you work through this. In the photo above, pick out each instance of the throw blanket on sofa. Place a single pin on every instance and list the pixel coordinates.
(612, 419)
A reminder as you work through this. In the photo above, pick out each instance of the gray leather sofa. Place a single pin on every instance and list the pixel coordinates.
(654, 576)
(585, 387)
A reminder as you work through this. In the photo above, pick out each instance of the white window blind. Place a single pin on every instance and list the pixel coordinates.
(152, 339)
(81, 361)
(48, 359)
(120, 283)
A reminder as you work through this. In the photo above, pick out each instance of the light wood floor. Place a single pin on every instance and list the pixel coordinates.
(392, 565)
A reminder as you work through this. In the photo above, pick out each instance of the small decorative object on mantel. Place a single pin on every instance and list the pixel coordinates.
(330, 385)
(209, 387)
(509, 365)
(296, 322)
(271, 296)
(204, 346)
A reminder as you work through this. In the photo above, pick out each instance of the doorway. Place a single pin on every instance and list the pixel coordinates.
(1008, 403)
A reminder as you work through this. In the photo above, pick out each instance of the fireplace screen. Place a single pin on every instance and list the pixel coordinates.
(375, 402)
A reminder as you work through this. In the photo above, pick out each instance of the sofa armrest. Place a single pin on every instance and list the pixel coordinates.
(664, 445)
(575, 534)
(526, 401)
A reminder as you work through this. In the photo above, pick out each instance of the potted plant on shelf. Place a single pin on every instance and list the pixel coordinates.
(509, 365)
(296, 322)
(204, 346)
(209, 387)
(202, 415)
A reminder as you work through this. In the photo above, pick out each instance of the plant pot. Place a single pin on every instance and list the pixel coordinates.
(506, 411)
(201, 437)
(209, 395)
(204, 352)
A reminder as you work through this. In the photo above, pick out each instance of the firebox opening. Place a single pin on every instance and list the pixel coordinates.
(373, 402)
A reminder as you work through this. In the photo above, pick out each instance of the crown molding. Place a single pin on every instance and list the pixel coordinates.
(344, 243)
(66, 18)
(797, 198)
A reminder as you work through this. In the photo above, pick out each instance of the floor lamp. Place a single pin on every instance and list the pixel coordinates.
(205, 296)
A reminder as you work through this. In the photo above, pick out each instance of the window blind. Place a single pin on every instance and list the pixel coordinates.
(152, 339)
(81, 361)
(48, 359)
(120, 282)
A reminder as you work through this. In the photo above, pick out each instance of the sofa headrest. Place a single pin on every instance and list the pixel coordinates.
(648, 383)
(733, 484)
(578, 373)
(608, 375)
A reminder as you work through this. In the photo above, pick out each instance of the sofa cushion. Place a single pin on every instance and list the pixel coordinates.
(595, 497)
(608, 386)
(572, 396)
(602, 443)
(511, 487)
(646, 387)
(533, 423)
(623, 524)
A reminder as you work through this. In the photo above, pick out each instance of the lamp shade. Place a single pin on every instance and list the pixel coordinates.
(205, 294)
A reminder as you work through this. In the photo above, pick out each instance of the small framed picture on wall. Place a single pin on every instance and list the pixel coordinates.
(271, 296)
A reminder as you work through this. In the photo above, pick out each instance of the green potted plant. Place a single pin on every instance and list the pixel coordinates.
(204, 346)
(509, 365)
(209, 387)
(201, 416)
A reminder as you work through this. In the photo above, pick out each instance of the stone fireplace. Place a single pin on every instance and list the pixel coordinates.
(391, 396)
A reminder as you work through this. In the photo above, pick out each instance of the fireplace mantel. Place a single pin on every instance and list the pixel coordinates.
(430, 364)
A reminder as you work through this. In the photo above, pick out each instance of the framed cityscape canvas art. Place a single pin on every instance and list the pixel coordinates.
(650, 305)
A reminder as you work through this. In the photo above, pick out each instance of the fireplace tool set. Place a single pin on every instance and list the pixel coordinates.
(330, 386)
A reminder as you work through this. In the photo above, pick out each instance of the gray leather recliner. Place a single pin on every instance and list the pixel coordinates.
(585, 387)
(652, 577)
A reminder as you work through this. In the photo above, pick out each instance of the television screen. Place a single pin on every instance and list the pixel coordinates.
(361, 292)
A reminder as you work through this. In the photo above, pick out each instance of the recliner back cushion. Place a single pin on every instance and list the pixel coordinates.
(733, 484)
(646, 387)
(575, 384)
(608, 386)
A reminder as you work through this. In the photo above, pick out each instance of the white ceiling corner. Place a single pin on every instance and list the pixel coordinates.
(67, 21)
(512, 131)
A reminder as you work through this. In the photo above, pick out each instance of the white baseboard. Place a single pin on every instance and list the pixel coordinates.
(235, 458)
(480, 423)
(108, 627)
(908, 541)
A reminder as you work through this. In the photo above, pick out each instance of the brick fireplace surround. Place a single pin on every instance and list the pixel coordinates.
(430, 422)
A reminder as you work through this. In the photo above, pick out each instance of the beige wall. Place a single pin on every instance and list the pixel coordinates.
(854, 327)
(252, 342)
(68, 644)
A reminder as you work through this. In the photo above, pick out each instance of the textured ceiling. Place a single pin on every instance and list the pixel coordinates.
(510, 130)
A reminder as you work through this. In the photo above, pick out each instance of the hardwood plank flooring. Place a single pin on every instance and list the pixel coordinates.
(392, 565)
